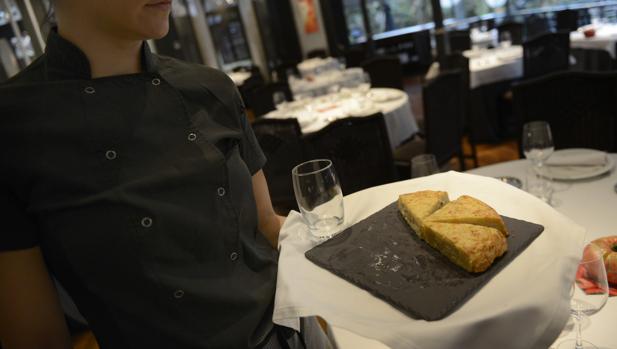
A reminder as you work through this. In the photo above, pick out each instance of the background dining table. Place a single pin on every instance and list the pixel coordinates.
(591, 203)
(605, 38)
(316, 113)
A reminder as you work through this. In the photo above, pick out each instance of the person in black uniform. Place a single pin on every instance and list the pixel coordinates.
(135, 180)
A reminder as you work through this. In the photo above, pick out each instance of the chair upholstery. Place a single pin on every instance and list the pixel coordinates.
(460, 40)
(581, 107)
(546, 53)
(259, 99)
(444, 108)
(422, 47)
(514, 28)
(355, 55)
(567, 20)
(591, 60)
(384, 71)
(281, 142)
(359, 149)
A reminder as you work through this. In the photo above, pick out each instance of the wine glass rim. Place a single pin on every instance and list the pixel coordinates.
(536, 123)
(294, 171)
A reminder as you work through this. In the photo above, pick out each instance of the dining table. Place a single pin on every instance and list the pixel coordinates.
(315, 113)
(525, 306)
(604, 38)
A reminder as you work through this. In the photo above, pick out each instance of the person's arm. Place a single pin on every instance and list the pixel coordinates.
(30, 312)
(269, 223)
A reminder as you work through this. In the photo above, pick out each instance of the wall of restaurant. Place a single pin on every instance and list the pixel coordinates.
(247, 12)
(310, 41)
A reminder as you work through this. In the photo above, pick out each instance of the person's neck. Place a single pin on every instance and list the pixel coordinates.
(108, 55)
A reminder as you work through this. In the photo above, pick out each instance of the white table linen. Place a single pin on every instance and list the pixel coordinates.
(524, 306)
(239, 77)
(317, 65)
(604, 39)
(316, 113)
(322, 83)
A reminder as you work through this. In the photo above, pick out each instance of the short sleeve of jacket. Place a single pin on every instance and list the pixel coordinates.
(17, 230)
(252, 154)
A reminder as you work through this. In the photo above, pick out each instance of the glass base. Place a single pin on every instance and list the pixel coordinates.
(571, 344)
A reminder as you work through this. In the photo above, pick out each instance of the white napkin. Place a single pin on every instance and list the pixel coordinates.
(524, 306)
(583, 158)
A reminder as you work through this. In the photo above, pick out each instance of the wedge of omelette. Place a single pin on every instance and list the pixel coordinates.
(469, 210)
(415, 207)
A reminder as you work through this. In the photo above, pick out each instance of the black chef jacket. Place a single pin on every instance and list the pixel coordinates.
(138, 191)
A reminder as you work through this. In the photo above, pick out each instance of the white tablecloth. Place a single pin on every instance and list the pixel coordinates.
(316, 113)
(525, 306)
(487, 66)
(321, 84)
(605, 39)
(315, 66)
(239, 77)
(592, 203)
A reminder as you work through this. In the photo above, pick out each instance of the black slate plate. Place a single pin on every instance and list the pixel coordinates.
(383, 255)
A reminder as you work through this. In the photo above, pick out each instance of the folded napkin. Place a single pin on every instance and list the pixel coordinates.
(583, 158)
(589, 286)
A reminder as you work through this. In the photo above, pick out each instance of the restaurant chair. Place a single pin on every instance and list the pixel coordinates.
(260, 99)
(567, 20)
(460, 40)
(458, 62)
(514, 29)
(422, 50)
(591, 60)
(359, 148)
(281, 142)
(355, 55)
(317, 53)
(385, 71)
(581, 108)
(444, 112)
(536, 25)
(545, 54)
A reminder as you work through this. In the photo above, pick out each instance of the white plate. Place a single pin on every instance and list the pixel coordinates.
(576, 172)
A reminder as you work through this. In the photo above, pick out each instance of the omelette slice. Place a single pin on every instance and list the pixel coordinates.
(415, 207)
(469, 210)
(472, 247)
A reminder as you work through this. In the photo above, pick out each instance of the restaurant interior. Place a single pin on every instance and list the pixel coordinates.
(511, 101)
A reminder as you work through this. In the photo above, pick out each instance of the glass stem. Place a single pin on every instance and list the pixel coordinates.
(579, 338)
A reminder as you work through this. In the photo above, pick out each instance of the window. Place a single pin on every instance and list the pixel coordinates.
(225, 22)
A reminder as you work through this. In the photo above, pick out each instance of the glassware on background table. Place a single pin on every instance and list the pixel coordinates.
(590, 276)
(423, 165)
(538, 146)
(319, 197)
(279, 99)
(365, 85)
(505, 39)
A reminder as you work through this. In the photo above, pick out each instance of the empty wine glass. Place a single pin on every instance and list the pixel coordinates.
(279, 99)
(588, 294)
(505, 39)
(319, 197)
(365, 85)
(537, 142)
(423, 165)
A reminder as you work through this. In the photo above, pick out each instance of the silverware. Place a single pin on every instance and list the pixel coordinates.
(513, 181)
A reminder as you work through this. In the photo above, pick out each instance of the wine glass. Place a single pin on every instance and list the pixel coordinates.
(279, 99)
(505, 39)
(537, 142)
(319, 197)
(588, 294)
(423, 165)
(365, 85)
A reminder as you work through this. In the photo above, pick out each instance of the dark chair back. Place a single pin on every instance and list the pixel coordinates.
(546, 53)
(384, 71)
(281, 142)
(444, 107)
(536, 25)
(567, 20)
(355, 55)
(460, 40)
(260, 100)
(359, 148)
(317, 53)
(581, 107)
(591, 60)
(515, 30)
(422, 47)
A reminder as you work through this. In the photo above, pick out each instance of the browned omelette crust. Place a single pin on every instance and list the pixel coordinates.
(415, 207)
(472, 247)
(469, 210)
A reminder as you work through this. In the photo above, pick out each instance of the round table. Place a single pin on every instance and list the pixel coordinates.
(590, 203)
(316, 113)
(604, 39)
